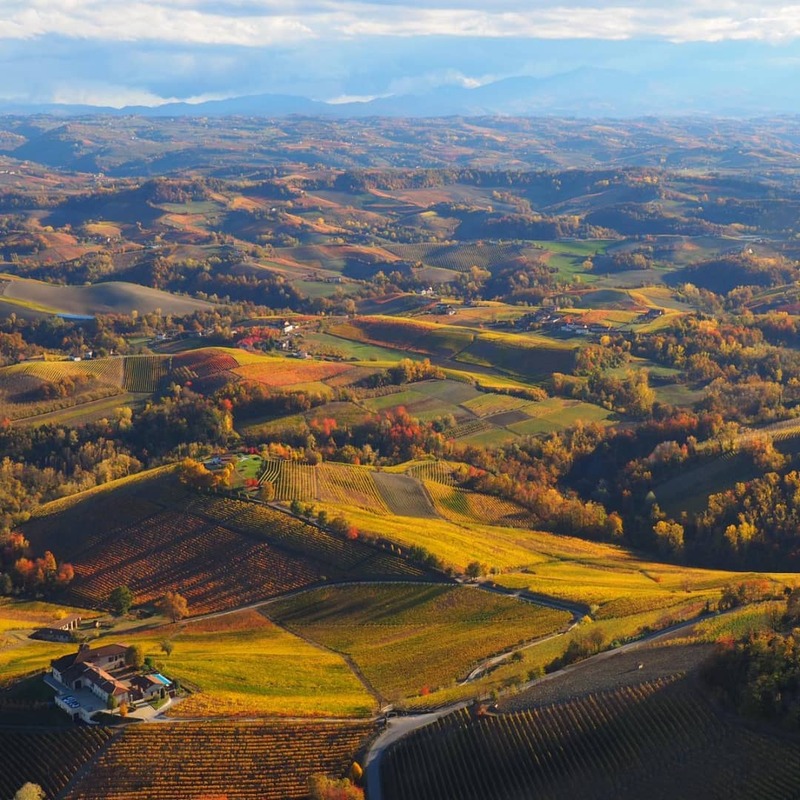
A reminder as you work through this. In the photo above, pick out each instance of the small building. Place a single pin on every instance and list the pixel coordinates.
(53, 635)
(70, 623)
(148, 687)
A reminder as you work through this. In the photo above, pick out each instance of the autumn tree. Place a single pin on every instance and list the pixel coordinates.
(30, 791)
(322, 787)
(193, 473)
(669, 537)
(174, 606)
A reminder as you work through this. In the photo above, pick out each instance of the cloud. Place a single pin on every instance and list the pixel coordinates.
(259, 23)
(115, 20)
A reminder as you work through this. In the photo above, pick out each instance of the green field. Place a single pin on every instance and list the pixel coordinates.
(411, 640)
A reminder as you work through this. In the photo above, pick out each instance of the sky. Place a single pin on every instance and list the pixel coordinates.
(124, 52)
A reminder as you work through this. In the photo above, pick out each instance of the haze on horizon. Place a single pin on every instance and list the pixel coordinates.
(118, 53)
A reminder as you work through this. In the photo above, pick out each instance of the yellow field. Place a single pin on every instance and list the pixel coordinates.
(20, 656)
(28, 614)
(244, 665)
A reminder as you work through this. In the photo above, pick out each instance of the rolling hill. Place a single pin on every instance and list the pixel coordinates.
(25, 297)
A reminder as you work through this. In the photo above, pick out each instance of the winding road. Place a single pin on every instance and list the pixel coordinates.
(398, 727)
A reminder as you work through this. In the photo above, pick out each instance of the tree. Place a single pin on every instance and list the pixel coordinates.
(134, 656)
(669, 537)
(174, 606)
(121, 599)
(30, 791)
(322, 787)
(167, 647)
(192, 473)
(475, 569)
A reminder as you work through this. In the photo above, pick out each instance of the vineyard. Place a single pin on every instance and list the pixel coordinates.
(105, 370)
(437, 471)
(47, 758)
(281, 372)
(657, 740)
(487, 405)
(518, 355)
(145, 373)
(405, 496)
(224, 660)
(238, 761)
(213, 567)
(203, 363)
(346, 485)
(337, 557)
(462, 506)
(21, 385)
(409, 640)
(469, 428)
(291, 479)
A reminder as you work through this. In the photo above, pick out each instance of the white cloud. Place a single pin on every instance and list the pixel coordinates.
(258, 23)
(101, 94)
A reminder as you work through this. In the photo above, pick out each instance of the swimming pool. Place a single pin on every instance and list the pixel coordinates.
(159, 677)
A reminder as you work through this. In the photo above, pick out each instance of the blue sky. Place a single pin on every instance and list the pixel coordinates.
(120, 52)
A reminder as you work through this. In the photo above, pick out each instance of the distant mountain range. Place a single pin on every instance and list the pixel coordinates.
(585, 92)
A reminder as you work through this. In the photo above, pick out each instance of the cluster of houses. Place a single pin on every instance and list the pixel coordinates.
(555, 321)
(94, 680)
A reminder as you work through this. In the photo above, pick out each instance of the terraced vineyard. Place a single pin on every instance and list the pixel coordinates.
(658, 740)
(145, 373)
(346, 485)
(240, 761)
(47, 758)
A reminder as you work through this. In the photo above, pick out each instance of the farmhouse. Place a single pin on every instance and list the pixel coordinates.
(93, 680)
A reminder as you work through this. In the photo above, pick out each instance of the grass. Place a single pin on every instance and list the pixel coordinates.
(410, 640)
(24, 615)
(20, 657)
(245, 665)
